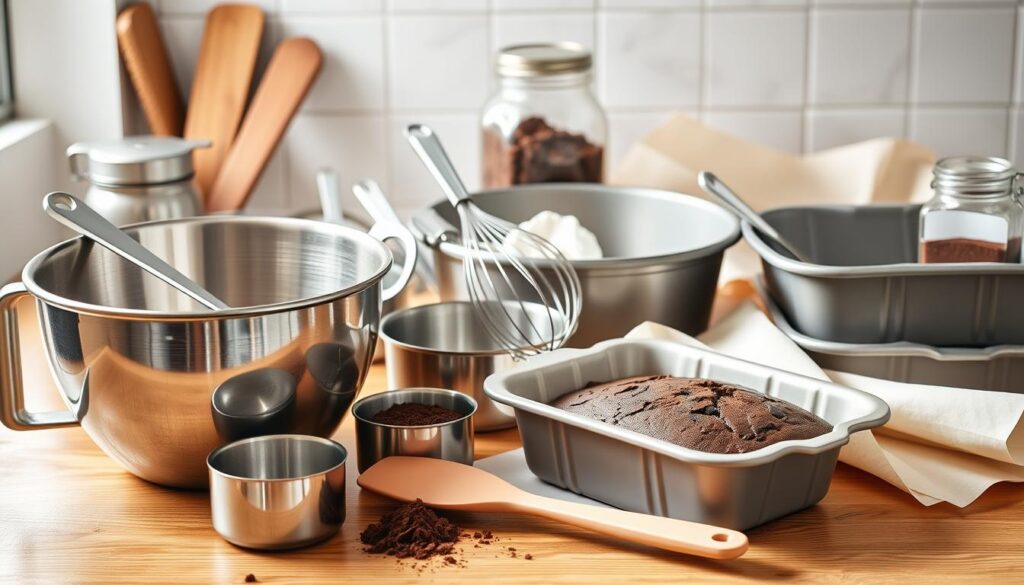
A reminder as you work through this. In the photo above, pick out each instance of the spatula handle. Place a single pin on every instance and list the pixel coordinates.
(665, 533)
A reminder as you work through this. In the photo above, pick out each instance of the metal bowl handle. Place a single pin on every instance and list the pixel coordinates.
(12, 393)
(389, 230)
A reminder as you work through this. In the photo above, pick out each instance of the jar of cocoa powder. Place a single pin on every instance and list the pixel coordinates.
(976, 213)
(544, 125)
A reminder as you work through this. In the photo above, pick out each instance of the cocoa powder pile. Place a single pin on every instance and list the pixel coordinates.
(414, 531)
(410, 414)
(411, 531)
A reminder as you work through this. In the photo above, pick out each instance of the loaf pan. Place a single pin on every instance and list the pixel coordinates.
(865, 286)
(999, 368)
(639, 473)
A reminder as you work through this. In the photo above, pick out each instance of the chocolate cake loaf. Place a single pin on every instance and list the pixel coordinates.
(696, 413)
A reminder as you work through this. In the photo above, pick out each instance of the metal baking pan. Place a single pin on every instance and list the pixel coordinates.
(636, 472)
(866, 287)
(999, 368)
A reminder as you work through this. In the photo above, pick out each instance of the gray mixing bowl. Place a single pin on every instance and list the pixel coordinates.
(663, 251)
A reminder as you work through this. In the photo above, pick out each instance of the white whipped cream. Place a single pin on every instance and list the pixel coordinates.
(574, 241)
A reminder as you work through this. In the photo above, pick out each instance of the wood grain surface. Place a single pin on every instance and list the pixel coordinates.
(289, 75)
(149, 67)
(220, 84)
(68, 514)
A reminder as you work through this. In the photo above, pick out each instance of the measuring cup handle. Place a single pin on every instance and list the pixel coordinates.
(12, 393)
(389, 230)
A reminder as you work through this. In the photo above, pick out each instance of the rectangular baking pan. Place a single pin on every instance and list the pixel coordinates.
(636, 472)
(864, 285)
(999, 368)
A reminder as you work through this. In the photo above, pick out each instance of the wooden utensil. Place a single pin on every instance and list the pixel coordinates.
(149, 68)
(291, 72)
(220, 85)
(447, 485)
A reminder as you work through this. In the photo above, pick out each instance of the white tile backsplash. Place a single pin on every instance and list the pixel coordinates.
(964, 55)
(859, 56)
(331, 6)
(183, 36)
(354, 146)
(793, 74)
(830, 128)
(428, 6)
(412, 184)
(655, 50)
(781, 130)
(352, 74)
(626, 129)
(755, 58)
(438, 62)
(540, 5)
(517, 28)
(966, 131)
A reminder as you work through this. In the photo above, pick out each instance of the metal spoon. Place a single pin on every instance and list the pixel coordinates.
(714, 186)
(75, 214)
(329, 188)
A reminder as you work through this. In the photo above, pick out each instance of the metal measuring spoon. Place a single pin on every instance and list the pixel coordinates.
(714, 186)
(75, 214)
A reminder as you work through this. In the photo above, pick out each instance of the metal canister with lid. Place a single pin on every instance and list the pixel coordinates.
(138, 178)
(544, 125)
(975, 214)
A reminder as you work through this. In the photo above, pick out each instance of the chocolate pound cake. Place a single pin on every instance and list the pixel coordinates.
(696, 413)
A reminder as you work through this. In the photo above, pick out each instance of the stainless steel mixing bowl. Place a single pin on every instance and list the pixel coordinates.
(663, 251)
(138, 363)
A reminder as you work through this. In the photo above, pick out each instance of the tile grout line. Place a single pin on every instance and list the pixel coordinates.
(810, 28)
(913, 49)
(1012, 112)
(704, 60)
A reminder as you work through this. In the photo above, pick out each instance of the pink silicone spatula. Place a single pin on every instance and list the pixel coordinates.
(454, 486)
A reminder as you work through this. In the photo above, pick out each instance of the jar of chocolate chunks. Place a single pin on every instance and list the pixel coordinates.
(976, 213)
(544, 125)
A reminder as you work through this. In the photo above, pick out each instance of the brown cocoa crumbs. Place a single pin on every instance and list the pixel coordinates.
(411, 531)
(250, 578)
(450, 560)
(411, 414)
(477, 535)
(528, 557)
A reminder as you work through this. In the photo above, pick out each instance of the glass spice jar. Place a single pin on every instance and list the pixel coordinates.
(975, 215)
(544, 125)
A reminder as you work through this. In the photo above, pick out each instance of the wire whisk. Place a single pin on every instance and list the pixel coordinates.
(525, 292)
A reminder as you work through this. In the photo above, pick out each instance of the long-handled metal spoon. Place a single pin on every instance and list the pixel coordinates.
(715, 187)
(75, 214)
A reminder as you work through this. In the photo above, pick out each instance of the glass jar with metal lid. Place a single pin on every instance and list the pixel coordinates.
(138, 178)
(544, 124)
(975, 215)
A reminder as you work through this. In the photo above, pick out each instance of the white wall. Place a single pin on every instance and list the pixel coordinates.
(799, 75)
(27, 168)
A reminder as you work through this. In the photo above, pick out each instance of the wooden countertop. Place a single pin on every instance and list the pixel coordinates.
(68, 514)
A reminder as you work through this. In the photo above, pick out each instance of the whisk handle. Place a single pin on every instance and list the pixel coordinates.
(428, 147)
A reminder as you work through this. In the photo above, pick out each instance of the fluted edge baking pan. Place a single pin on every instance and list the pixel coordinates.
(999, 368)
(867, 287)
(636, 472)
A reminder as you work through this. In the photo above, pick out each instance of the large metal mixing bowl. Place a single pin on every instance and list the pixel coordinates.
(663, 251)
(139, 364)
